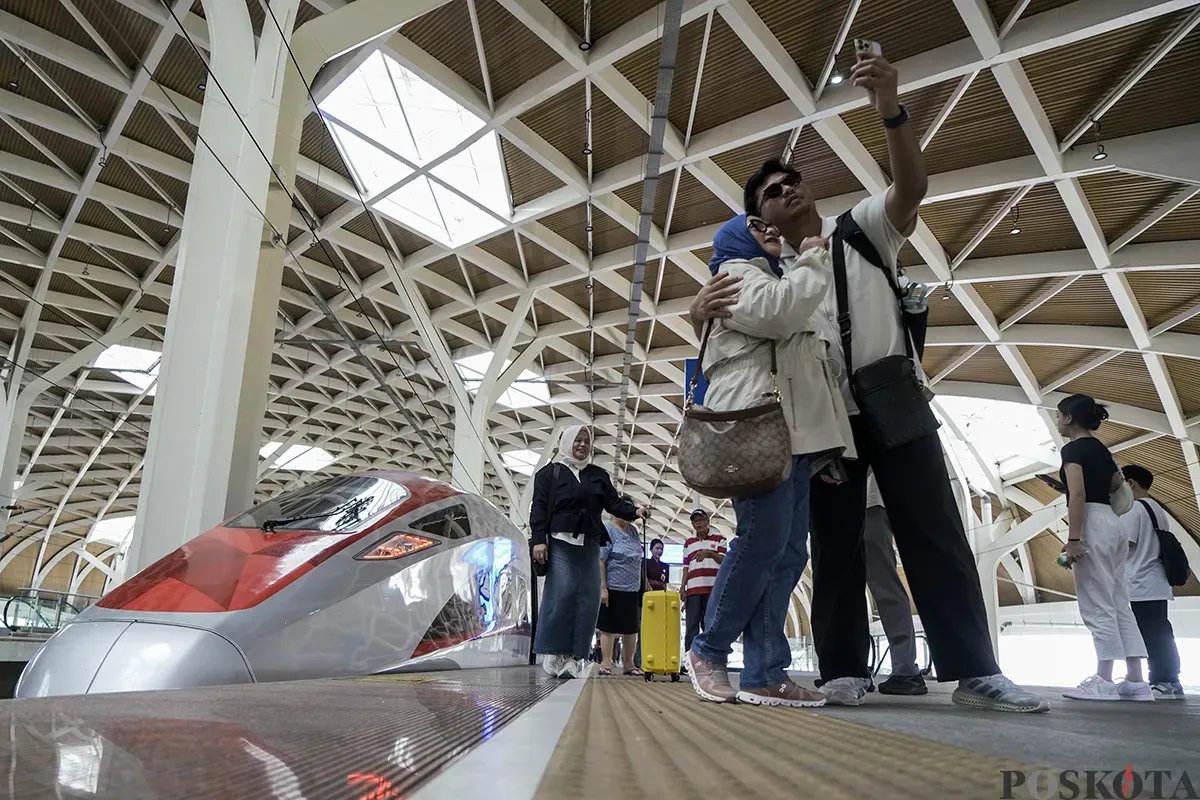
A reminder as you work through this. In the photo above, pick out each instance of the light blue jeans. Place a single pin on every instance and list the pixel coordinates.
(755, 581)
(571, 599)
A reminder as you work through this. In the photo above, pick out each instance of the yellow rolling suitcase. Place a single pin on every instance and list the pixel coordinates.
(660, 634)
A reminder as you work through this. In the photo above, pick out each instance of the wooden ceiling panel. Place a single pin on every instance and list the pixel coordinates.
(75, 154)
(561, 122)
(1121, 200)
(1001, 8)
(445, 34)
(504, 247)
(632, 195)
(1124, 379)
(406, 241)
(903, 28)
(527, 179)
(183, 71)
(806, 28)
(1162, 295)
(1185, 374)
(923, 106)
(607, 15)
(1085, 302)
(57, 200)
(147, 126)
(514, 53)
(615, 137)
(695, 205)
(1006, 297)
(99, 101)
(1070, 81)
(823, 172)
(955, 222)
(1045, 225)
(317, 144)
(742, 162)
(946, 310)
(1152, 104)
(734, 83)
(537, 258)
(1048, 364)
(1182, 224)
(641, 68)
(938, 358)
(986, 366)
(1043, 550)
(323, 201)
(981, 129)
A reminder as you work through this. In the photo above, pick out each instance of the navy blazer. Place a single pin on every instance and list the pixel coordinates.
(577, 504)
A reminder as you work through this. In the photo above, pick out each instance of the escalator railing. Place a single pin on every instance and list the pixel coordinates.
(42, 610)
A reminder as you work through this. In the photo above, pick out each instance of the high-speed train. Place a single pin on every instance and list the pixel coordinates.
(360, 574)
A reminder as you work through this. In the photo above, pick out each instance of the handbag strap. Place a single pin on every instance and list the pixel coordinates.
(691, 392)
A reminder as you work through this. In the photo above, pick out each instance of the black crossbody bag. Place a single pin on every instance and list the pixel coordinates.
(889, 392)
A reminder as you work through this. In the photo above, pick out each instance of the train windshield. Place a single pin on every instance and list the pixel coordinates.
(336, 505)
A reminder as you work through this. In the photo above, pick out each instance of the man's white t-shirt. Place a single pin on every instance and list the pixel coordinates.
(874, 312)
(1144, 568)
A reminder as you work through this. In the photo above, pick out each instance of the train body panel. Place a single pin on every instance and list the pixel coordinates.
(429, 576)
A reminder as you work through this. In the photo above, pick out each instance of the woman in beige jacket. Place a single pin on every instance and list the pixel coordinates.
(776, 302)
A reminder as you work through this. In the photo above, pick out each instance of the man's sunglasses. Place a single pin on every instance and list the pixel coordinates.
(755, 224)
(775, 190)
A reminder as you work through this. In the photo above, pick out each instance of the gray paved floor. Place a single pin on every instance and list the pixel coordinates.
(1073, 735)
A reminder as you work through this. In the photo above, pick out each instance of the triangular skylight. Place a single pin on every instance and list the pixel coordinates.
(522, 461)
(526, 391)
(298, 457)
(1013, 434)
(131, 364)
(112, 530)
(391, 125)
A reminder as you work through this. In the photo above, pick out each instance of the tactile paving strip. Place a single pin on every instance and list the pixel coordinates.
(629, 738)
(310, 740)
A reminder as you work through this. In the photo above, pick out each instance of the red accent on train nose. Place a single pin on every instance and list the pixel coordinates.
(230, 569)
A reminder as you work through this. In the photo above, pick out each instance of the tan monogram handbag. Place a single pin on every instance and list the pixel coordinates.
(734, 454)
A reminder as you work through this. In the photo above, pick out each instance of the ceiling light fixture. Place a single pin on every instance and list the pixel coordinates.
(12, 85)
(202, 86)
(1016, 228)
(946, 292)
(835, 79)
(1100, 153)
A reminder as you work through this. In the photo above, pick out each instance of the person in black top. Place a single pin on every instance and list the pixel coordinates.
(569, 496)
(1096, 550)
(657, 573)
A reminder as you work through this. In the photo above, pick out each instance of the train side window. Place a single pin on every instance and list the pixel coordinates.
(448, 523)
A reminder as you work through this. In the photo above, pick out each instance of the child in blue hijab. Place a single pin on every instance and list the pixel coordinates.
(735, 241)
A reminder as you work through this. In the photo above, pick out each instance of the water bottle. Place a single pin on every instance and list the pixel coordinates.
(1062, 560)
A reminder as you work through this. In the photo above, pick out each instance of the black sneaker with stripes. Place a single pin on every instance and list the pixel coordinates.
(997, 693)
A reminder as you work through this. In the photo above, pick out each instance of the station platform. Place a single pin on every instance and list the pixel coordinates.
(514, 733)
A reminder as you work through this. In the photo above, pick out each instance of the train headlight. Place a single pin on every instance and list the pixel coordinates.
(398, 546)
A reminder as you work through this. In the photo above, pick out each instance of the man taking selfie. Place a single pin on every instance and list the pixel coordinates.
(866, 319)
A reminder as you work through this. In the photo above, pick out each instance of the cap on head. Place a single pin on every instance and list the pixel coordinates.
(699, 512)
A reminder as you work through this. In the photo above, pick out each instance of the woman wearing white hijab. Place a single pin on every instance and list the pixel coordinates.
(569, 496)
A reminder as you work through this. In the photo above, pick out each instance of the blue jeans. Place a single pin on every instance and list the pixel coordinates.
(571, 599)
(755, 581)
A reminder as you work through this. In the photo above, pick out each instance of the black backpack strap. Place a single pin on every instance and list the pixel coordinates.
(849, 233)
(1153, 519)
(839, 282)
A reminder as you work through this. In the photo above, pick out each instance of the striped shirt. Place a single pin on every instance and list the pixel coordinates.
(701, 574)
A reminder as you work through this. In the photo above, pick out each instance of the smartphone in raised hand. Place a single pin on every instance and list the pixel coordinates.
(865, 48)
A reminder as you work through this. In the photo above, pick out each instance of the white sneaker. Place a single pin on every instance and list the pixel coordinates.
(1093, 688)
(847, 691)
(555, 665)
(1135, 690)
(573, 668)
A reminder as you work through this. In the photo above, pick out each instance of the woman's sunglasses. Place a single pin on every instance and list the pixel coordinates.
(758, 225)
(775, 190)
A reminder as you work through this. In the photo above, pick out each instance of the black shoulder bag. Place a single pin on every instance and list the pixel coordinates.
(889, 392)
(1175, 562)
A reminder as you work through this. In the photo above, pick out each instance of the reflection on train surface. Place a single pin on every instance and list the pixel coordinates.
(360, 574)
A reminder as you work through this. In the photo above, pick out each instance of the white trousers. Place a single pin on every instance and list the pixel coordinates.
(1101, 588)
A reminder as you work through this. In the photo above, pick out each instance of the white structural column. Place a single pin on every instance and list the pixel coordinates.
(204, 377)
(469, 455)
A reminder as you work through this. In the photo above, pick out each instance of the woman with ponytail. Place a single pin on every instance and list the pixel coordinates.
(1096, 550)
